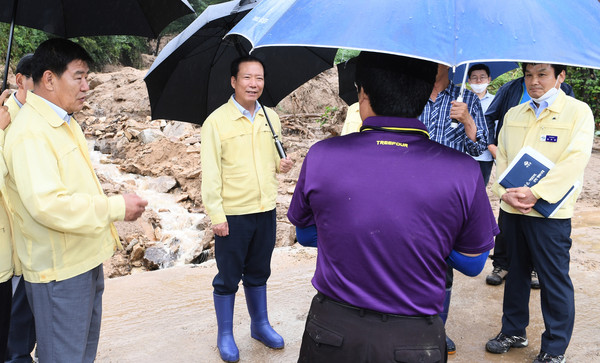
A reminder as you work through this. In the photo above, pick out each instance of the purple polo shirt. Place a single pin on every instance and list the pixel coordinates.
(389, 207)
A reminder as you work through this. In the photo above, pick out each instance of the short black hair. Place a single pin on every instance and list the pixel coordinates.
(24, 65)
(478, 67)
(55, 55)
(557, 68)
(396, 85)
(235, 65)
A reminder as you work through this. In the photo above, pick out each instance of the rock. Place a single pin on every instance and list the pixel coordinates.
(137, 252)
(150, 135)
(158, 257)
(105, 146)
(162, 184)
(286, 234)
(176, 131)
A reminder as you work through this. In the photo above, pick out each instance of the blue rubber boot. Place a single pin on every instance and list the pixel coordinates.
(260, 328)
(225, 342)
(450, 346)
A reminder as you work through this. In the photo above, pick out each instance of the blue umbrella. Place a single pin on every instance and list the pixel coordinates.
(452, 32)
(496, 69)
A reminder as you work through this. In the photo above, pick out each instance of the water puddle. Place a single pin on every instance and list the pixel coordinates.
(180, 235)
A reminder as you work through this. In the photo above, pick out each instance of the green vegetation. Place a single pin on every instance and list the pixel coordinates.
(327, 115)
(344, 55)
(120, 49)
(586, 86)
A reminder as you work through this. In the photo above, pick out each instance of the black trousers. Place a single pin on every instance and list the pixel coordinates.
(336, 332)
(21, 338)
(500, 256)
(245, 254)
(542, 244)
(5, 305)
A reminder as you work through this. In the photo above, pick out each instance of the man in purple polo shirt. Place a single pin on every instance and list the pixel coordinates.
(389, 209)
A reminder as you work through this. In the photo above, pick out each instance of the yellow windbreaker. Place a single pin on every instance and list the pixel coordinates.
(7, 253)
(353, 122)
(63, 220)
(239, 163)
(9, 262)
(572, 123)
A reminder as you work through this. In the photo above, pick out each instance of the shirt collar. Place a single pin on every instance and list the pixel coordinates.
(487, 95)
(59, 111)
(17, 100)
(401, 122)
(244, 111)
(544, 104)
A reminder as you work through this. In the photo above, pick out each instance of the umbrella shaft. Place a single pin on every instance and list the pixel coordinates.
(8, 49)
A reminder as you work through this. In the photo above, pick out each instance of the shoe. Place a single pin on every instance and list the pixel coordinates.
(535, 282)
(502, 343)
(495, 278)
(547, 358)
(450, 346)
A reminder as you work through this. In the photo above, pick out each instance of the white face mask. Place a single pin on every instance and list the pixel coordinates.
(479, 88)
(551, 92)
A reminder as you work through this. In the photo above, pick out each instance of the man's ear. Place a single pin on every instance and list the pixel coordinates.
(233, 82)
(19, 80)
(561, 76)
(48, 79)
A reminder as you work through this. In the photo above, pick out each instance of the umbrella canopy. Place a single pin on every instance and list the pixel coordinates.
(451, 32)
(75, 18)
(347, 90)
(191, 76)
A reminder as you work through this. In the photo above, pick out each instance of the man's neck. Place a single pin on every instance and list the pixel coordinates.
(21, 95)
(249, 106)
(482, 94)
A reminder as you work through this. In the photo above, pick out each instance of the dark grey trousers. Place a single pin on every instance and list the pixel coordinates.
(67, 317)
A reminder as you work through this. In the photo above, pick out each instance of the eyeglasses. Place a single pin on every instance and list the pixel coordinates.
(481, 78)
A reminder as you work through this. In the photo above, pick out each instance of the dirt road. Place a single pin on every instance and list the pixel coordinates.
(168, 315)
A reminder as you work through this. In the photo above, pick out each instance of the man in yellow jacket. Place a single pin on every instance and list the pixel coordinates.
(63, 220)
(239, 192)
(21, 334)
(562, 129)
(7, 258)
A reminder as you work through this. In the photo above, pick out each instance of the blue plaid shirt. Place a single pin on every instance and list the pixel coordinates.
(436, 116)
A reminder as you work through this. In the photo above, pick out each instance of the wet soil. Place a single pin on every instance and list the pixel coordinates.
(168, 315)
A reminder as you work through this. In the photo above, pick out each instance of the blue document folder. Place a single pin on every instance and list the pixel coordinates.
(527, 168)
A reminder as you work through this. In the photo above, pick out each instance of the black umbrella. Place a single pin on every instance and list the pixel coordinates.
(190, 78)
(347, 89)
(75, 18)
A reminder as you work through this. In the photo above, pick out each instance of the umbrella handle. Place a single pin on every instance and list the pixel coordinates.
(279, 147)
(278, 144)
(454, 123)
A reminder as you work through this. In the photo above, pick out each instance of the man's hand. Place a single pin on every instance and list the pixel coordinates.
(460, 112)
(285, 165)
(4, 115)
(221, 229)
(134, 206)
(493, 149)
(522, 199)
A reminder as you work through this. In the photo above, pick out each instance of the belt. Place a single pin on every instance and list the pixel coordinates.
(362, 311)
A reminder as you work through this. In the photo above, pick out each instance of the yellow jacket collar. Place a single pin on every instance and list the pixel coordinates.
(40, 105)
